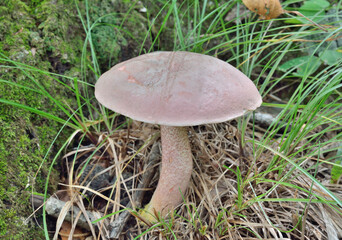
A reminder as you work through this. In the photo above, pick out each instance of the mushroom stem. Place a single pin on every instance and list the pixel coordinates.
(175, 172)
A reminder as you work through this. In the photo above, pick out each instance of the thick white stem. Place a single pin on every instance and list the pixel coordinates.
(175, 172)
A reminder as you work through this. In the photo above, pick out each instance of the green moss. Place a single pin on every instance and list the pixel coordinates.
(117, 31)
(7, 214)
(48, 36)
(31, 34)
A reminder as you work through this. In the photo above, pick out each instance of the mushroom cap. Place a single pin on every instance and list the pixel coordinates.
(177, 89)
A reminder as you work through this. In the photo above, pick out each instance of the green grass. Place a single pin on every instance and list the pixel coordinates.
(296, 145)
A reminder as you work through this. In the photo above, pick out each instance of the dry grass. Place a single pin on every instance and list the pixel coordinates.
(233, 193)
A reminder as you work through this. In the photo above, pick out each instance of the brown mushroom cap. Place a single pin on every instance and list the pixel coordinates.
(177, 89)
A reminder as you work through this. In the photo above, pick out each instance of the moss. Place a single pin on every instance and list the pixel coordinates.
(118, 31)
(47, 35)
(30, 35)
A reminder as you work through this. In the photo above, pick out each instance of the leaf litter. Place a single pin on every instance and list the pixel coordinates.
(232, 195)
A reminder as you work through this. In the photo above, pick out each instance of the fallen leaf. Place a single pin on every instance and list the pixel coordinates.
(267, 9)
(66, 229)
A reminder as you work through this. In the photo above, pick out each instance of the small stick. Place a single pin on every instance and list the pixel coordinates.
(117, 225)
(54, 207)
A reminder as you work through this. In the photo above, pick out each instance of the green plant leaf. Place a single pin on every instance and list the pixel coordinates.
(314, 5)
(305, 65)
(336, 170)
(313, 9)
(330, 57)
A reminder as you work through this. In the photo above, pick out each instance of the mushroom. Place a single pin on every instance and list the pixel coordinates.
(176, 90)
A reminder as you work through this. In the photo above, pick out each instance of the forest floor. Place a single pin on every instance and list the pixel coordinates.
(275, 174)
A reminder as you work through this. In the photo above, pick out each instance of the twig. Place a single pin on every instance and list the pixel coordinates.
(117, 225)
(54, 207)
